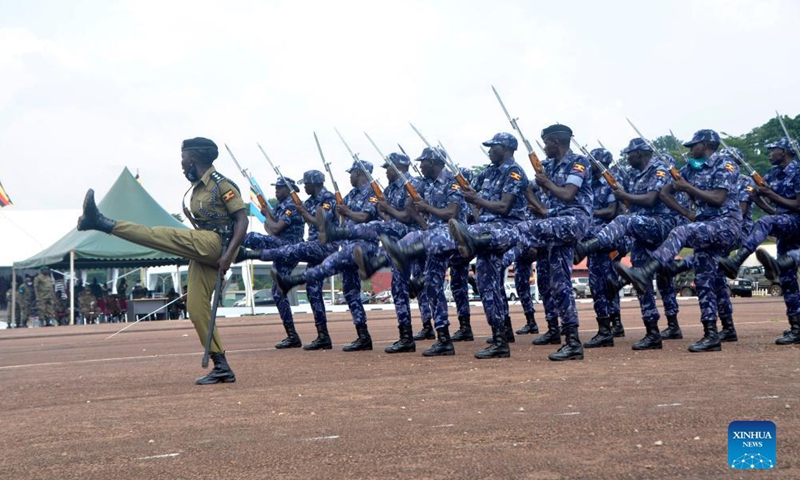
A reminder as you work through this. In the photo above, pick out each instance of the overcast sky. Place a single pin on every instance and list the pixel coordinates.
(88, 87)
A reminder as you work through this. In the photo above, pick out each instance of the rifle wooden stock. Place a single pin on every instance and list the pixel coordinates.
(296, 198)
(377, 190)
(612, 182)
(261, 202)
(462, 182)
(537, 164)
(339, 201)
(759, 179)
(674, 172)
(413, 192)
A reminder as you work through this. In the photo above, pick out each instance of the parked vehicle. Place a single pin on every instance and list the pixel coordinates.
(383, 297)
(580, 286)
(261, 298)
(759, 280)
(685, 287)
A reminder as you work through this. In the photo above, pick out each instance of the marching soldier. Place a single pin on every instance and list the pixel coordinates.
(219, 213)
(45, 297)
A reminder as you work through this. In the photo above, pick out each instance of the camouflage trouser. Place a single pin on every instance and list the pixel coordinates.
(439, 247)
(459, 284)
(711, 241)
(523, 268)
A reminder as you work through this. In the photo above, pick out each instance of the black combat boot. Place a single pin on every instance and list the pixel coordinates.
(367, 266)
(530, 324)
(92, 219)
(426, 333)
(498, 348)
(604, 337)
(221, 373)
(286, 282)
(443, 345)
(675, 267)
(406, 342)
(584, 249)
(728, 332)
(552, 336)
(572, 348)
(673, 330)
(323, 340)
(246, 254)
(640, 277)
(792, 336)
(508, 331)
(329, 232)
(363, 342)
(616, 326)
(730, 266)
(402, 256)
(614, 284)
(415, 286)
(651, 340)
(464, 332)
(773, 266)
(468, 244)
(292, 339)
(710, 341)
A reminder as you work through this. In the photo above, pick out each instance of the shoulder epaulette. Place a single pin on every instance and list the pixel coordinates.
(219, 178)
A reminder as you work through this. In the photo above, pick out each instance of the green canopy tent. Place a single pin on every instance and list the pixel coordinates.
(126, 200)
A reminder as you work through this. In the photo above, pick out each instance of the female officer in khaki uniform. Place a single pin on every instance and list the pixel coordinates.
(218, 213)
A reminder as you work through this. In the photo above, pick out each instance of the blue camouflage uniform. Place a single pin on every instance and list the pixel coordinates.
(292, 235)
(359, 199)
(715, 231)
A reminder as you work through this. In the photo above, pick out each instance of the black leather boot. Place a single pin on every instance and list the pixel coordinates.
(498, 348)
(508, 331)
(247, 254)
(710, 341)
(572, 348)
(639, 277)
(367, 266)
(616, 326)
(405, 343)
(464, 332)
(286, 282)
(530, 324)
(443, 345)
(604, 337)
(730, 266)
(221, 373)
(614, 284)
(92, 219)
(468, 244)
(673, 330)
(427, 332)
(651, 340)
(323, 340)
(793, 335)
(665, 275)
(402, 256)
(328, 231)
(773, 266)
(728, 332)
(584, 249)
(552, 336)
(363, 342)
(415, 287)
(292, 339)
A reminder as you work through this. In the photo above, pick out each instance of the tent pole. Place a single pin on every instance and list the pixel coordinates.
(72, 287)
(251, 267)
(13, 315)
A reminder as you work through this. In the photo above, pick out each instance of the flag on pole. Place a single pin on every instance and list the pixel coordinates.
(5, 200)
(137, 177)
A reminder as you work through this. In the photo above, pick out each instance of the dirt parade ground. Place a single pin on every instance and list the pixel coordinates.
(75, 405)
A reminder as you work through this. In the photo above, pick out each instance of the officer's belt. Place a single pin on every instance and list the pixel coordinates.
(222, 228)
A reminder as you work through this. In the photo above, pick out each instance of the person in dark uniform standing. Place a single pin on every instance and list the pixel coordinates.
(219, 213)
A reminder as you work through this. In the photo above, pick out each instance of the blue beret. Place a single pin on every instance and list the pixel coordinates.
(557, 130)
(398, 159)
(503, 139)
(637, 144)
(603, 156)
(783, 143)
(313, 177)
(367, 165)
(703, 136)
(432, 155)
(291, 183)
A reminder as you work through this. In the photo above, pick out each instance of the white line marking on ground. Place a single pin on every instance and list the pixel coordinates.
(166, 455)
(443, 426)
(569, 413)
(331, 437)
(670, 405)
(767, 397)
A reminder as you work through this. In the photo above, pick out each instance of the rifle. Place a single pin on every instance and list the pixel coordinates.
(537, 164)
(413, 165)
(295, 197)
(672, 170)
(376, 187)
(742, 163)
(410, 188)
(462, 182)
(253, 184)
(485, 152)
(612, 182)
(616, 160)
(214, 305)
(683, 154)
(792, 141)
(327, 165)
